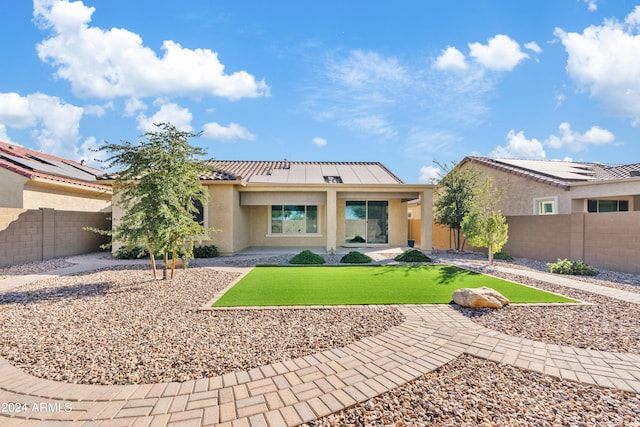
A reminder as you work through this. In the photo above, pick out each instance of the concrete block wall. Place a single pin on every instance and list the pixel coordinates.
(604, 240)
(40, 234)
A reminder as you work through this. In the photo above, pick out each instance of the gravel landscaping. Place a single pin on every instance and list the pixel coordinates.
(118, 326)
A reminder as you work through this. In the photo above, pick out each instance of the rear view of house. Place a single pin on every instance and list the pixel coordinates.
(308, 205)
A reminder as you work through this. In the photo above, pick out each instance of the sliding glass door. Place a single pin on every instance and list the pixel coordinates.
(366, 222)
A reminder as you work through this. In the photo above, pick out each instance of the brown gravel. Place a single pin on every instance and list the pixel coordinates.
(33, 267)
(120, 326)
(476, 392)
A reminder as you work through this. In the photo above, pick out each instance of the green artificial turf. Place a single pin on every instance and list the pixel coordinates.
(402, 284)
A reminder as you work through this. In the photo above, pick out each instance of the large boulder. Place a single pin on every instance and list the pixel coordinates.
(479, 298)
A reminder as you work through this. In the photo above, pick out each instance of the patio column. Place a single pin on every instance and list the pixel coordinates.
(426, 224)
(332, 220)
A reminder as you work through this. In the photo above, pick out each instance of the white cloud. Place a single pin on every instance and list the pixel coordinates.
(168, 113)
(533, 46)
(233, 131)
(605, 60)
(366, 68)
(115, 62)
(133, 106)
(55, 123)
(98, 110)
(519, 147)
(500, 54)
(429, 174)
(579, 142)
(4, 137)
(374, 124)
(15, 111)
(319, 142)
(592, 5)
(451, 59)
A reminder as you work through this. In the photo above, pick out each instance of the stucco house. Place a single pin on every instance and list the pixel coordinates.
(545, 187)
(45, 201)
(323, 205)
(33, 180)
(563, 209)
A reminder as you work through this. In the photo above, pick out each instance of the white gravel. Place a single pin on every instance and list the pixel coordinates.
(118, 326)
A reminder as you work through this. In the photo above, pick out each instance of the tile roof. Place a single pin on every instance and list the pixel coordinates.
(35, 164)
(558, 173)
(291, 172)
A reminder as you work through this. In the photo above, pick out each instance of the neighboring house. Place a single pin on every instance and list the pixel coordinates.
(33, 180)
(545, 187)
(45, 201)
(308, 205)
(562, 209)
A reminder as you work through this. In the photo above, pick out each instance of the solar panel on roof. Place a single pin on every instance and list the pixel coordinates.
(49, 166)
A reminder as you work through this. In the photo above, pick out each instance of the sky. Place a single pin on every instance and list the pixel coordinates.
(412, 84)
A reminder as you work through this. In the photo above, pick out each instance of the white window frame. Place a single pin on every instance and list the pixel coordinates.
(540, 202)
(316, 234)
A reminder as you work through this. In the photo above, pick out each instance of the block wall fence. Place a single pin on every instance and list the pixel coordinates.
(41, 234)
(604, 240)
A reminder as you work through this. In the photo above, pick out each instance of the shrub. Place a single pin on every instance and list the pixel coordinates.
(576, 268)
(307, 257)
(132, 253)
(503, 256)
(209, 251)
(355, 257)
(413, 255)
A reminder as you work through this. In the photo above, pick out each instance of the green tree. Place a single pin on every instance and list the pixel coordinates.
(453, 196)
(484, 225)
(158, 187)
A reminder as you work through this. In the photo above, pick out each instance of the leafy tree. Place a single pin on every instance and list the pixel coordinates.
(159, 188)
(484, 225)
(453, 196)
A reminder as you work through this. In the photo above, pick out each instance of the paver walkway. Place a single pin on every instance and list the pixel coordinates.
(303, 389)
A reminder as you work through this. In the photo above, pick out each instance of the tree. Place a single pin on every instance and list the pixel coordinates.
(453, 196)
(484, 225)
(158, 187)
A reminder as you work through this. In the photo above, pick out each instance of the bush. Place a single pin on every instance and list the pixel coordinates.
(209, 251)
(132, 253)
(413, 255)
(576, 268)
(307, 257)
(355, 257)
(138, 252)
(503, 256)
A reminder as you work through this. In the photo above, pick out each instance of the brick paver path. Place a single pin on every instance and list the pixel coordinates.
(303, 389)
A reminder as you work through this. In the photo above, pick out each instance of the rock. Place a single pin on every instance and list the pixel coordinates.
(479, 298)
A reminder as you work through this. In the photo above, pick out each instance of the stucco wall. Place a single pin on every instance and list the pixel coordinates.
(520, 192)
(11, 189)
(611, 240)
(36, 235)
(36, 197)
(541, 237)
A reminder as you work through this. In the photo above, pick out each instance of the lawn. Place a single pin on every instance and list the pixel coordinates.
(355, 285)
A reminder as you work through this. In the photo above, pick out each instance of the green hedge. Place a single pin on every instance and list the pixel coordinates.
(355, 257)
(576, 268)
(307, 257)
(412, 255)
(137, 252)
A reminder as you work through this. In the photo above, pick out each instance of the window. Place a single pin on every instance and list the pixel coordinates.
(546, 206)
(607, 205)
(198, 216)
(294, 219)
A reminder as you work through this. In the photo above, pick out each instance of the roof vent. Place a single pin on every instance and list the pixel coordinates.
(634, 173)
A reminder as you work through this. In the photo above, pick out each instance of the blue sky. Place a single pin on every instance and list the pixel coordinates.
(404, 83)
